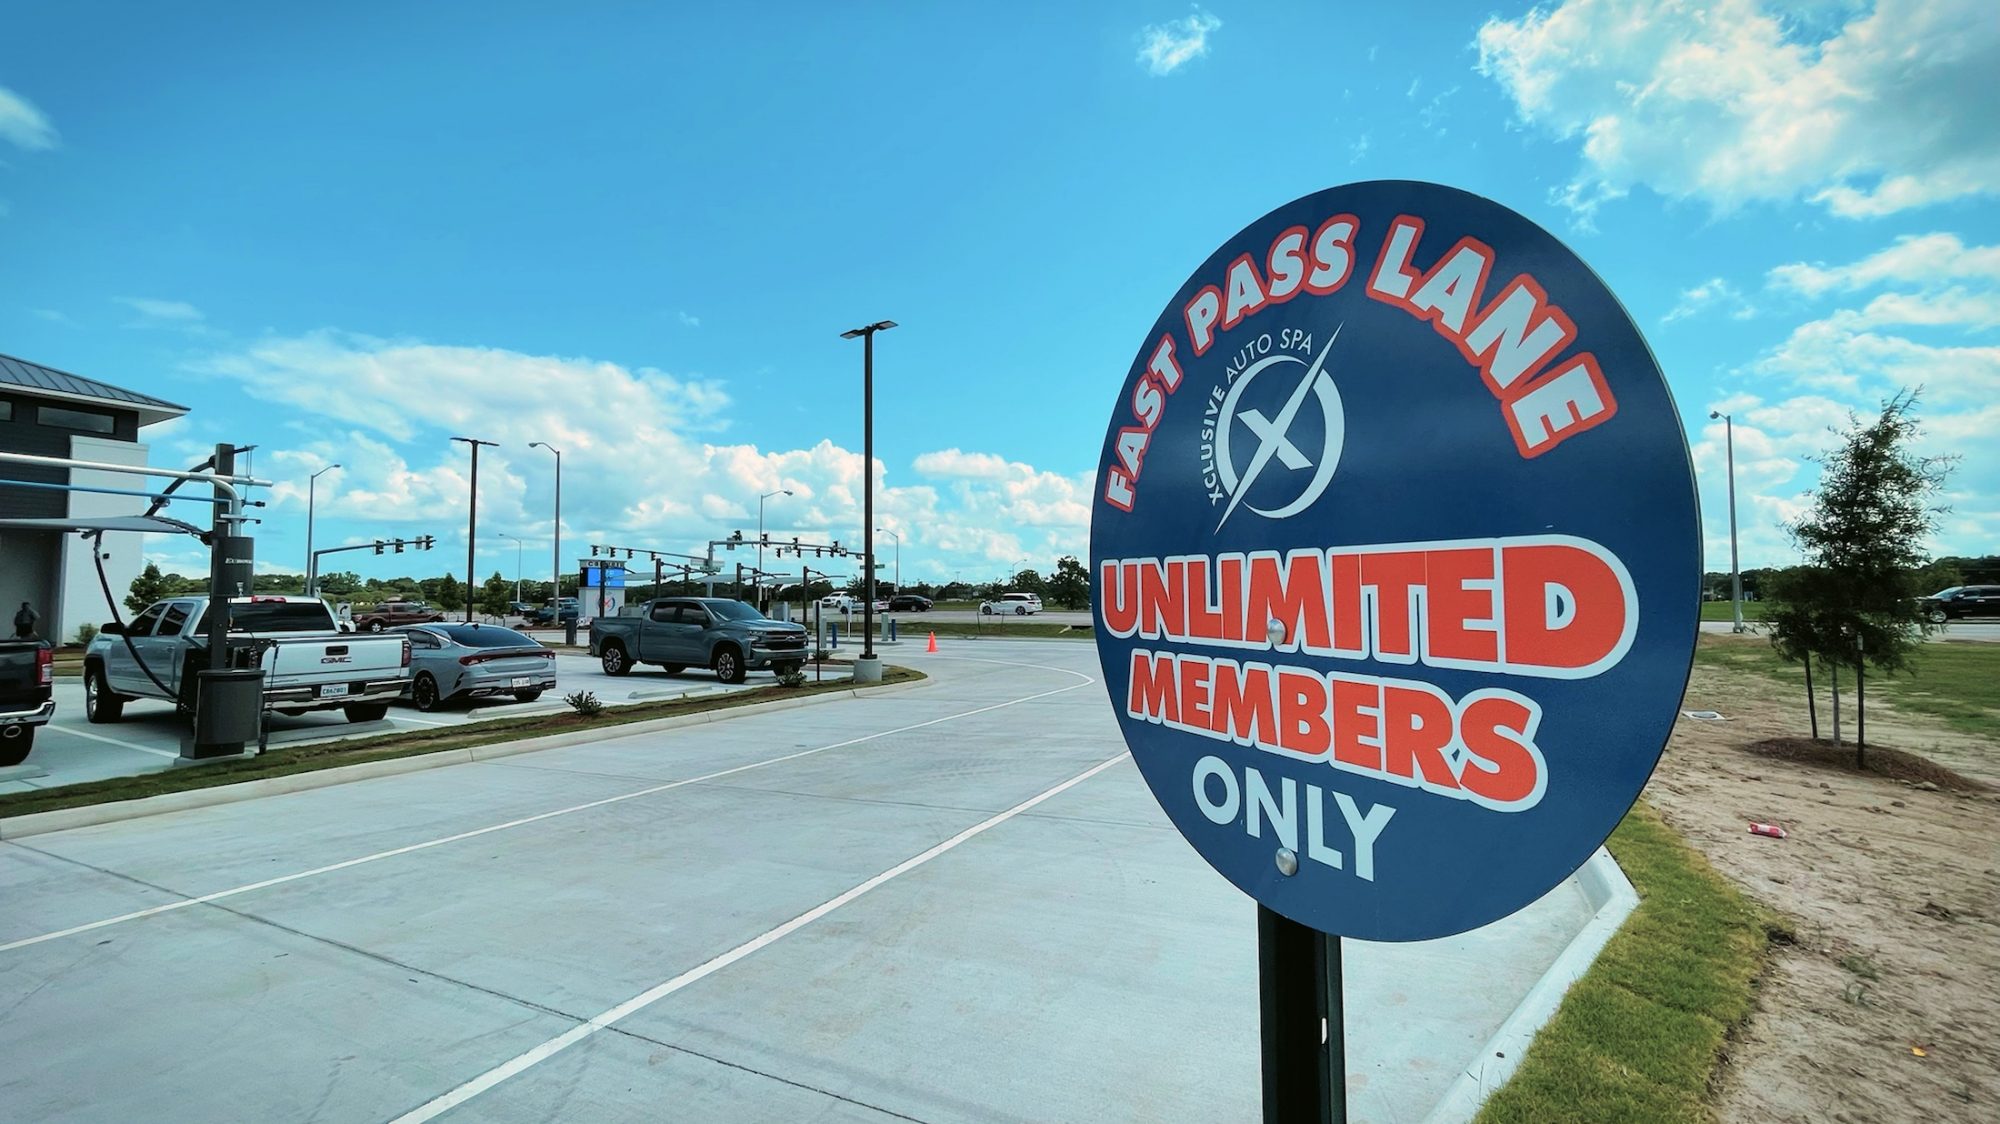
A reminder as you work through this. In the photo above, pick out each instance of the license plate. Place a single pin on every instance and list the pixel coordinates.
(522, 681)
(333, 691)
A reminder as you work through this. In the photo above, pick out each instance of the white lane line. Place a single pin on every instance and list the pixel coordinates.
(421, 721)
(115, 741)
(654, 994)
(476, 832)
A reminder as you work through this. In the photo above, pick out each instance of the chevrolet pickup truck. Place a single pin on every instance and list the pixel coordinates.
(682, 632)
(308, 664)
(26, 672)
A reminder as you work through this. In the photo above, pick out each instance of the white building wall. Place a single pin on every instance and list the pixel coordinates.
(80, 598)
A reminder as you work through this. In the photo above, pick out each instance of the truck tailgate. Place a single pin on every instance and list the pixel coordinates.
(313, 660)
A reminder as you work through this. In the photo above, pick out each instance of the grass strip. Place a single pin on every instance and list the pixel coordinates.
(1956, 681)
(1639, 1036)
(1721, 611)
(328, 755)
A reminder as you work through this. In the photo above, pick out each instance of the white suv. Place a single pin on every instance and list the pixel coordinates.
(1012, 604)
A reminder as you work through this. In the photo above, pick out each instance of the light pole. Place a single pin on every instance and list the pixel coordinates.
(517, 564)
(472, 526)
(555, 573)
(760, 532)
(899, 555)
(1735, 574)
(312, 497)
(868, 669)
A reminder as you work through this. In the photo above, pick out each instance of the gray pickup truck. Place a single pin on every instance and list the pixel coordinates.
(682, 632)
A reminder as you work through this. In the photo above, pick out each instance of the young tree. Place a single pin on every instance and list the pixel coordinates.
(495, 594)
(448, 593)
(1070, 585)
(1854, 602)
(148, 587)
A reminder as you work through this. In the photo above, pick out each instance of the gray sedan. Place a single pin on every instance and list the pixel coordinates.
(457, 662)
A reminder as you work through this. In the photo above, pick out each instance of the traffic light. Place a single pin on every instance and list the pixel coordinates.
(378, 546)
(399, 546)
(593, 551)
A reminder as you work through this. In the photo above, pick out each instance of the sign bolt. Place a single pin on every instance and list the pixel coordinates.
(1288, 863)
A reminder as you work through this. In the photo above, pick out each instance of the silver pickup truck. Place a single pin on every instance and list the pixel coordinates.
(308, 663)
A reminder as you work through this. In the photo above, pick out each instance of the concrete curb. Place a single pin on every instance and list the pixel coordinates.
(64, 819)
(1605, 886)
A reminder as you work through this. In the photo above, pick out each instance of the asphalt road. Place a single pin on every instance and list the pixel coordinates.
(897, 906)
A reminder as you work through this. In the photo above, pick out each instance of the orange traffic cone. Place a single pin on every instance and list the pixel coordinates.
(932, 646)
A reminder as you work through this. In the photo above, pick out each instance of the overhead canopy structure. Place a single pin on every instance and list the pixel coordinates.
(143, 524)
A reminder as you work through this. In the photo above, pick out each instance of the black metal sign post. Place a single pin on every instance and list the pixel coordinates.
(1303, 1029)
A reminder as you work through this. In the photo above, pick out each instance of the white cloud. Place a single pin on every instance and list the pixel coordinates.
(643, 460)
(1166, 47)
(23, 124)
(1730, 102)
(1712, 294)
(53, 316)
(1926, 260)
(688, 321)
(154, 313)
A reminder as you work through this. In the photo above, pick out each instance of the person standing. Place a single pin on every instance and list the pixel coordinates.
(24, 622)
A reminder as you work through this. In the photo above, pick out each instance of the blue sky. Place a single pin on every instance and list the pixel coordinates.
(635, 232)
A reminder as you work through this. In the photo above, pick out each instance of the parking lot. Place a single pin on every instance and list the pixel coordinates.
(896, 906)
(148, 739)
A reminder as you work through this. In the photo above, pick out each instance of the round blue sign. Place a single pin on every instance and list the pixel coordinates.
(1397, 561)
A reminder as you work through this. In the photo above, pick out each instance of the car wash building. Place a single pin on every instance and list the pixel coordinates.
(52, 413)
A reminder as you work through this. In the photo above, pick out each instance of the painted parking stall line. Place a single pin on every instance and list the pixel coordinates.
(546, 1050)
(96, 737)
(412, 848)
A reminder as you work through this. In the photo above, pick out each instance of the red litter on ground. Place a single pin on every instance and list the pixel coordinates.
(1770, 829)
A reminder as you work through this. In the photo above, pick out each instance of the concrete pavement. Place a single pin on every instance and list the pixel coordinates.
(955, 903)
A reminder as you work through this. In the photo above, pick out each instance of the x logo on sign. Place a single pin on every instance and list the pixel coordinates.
(1267, 433)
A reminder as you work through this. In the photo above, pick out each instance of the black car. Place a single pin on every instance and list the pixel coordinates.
(1962, 601)
(909, 603)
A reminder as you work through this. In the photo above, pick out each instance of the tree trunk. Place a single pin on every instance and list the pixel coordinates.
(1812, 704)
(1833, 673)
(1860, 720)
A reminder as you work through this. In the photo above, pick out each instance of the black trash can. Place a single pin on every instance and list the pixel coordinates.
(228, 710)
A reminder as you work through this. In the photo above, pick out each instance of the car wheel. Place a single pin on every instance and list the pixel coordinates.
(674, 668)
(366, 712)
(615, 661)
(424, 692)
(528, 696)
(99, 704)
(14, 750)
(728, 665)
(986, 610)
(1020, 610)
(1938, 616)
(375, 626)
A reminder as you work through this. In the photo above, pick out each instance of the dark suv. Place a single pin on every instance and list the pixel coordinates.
(909, 603)
(1962, 601)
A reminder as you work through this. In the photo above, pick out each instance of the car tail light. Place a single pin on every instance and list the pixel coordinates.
(406, 653)
(45, 666)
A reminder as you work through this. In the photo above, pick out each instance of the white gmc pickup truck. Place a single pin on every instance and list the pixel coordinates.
(308, 665)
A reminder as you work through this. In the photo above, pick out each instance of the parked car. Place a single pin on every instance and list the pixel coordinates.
(840, 603)
(519, 609)
(682, 632)
(1962, 601)
(1012, 604)
(560, 611)
(308, 663)
(456, 662)
(27, 671)
(389, 614)
(909, 603)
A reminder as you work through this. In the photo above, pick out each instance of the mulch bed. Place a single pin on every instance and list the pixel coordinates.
(1882, 761)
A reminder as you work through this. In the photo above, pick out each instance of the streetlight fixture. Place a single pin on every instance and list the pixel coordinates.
(517, 564)
(1735, 574)
(555, 573)
(760, 534)
(312, 496)
(868, 669)
(472, 526)
(899, 555)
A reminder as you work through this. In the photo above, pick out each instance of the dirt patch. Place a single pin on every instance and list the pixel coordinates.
(1885, 1006)
(1881, 761)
